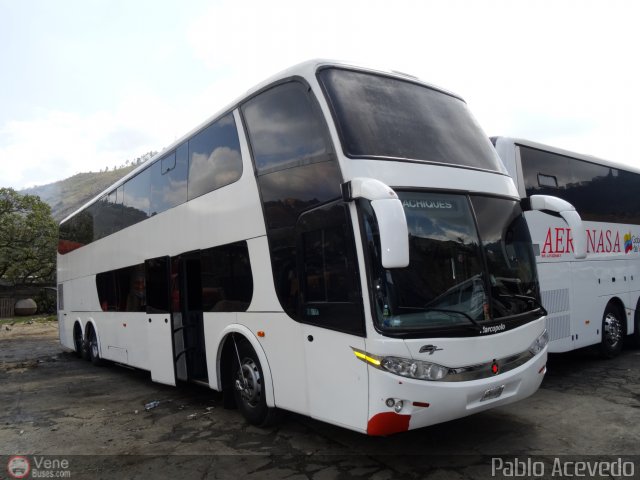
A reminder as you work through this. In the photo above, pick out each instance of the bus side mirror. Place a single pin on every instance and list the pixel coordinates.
(392, 223)
(570, 216)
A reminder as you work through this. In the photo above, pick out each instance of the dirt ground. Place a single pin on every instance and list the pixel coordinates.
(58, 407)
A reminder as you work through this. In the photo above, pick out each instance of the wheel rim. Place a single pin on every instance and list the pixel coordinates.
(93, 345)
(612, 330)
(248, 383)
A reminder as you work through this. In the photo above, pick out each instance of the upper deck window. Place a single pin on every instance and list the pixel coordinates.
(286, 128)
(214, 157)
(396, 119)
(600, 193)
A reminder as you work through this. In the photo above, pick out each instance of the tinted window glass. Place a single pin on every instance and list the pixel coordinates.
(599, 193)
(285, 128)
(387, 117)
(113, 213)
(329, 272)
(108, 293)
(169, 180)
(107, 216)
(122, 290)
(507, 248)
(137, 191)
(445, 274)
(76, 232)
(157, 285)
(214, 157)
(99, 224)
(289, 192)
(544, 172)
(329, 275)
(286, 194)
(227, 282)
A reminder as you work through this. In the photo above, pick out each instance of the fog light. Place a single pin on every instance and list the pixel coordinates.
(390, 402)
(398, 406)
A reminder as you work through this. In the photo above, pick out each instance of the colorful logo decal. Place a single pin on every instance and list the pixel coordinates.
(559, 241)
(628, 242)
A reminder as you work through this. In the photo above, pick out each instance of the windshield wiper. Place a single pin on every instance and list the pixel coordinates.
(475, 325)
(529, 299)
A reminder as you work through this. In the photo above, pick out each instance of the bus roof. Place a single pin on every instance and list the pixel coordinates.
(566, 153)
(305, 69)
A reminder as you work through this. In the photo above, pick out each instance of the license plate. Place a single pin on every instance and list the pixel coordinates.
(494, 392)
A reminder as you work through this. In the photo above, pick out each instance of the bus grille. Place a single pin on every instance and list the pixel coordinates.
(556, 301)
(558, 327)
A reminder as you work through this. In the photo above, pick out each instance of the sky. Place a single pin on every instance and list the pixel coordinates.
(89, 84)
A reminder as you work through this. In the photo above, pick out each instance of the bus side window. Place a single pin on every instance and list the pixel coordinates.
(227, 281)
(330, 293)
(214, 157)
(296, 171)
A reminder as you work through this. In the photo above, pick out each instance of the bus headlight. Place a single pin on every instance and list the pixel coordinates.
(404, 367)
(539, 343)
(414, 368)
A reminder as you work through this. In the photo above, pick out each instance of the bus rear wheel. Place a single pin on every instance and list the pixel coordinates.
(248, 388)
(612, 332)
(78, 343)
(94, 352)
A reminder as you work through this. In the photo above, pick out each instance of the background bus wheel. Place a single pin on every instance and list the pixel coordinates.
(78, 343)
(248, 388)
(94, 353)
(635, 338)
(612, 332)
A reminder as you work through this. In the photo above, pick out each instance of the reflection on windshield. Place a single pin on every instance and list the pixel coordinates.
(457, 276)
(507, 246)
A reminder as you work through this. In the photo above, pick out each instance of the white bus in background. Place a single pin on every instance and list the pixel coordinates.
(340, 242)
(593, 300)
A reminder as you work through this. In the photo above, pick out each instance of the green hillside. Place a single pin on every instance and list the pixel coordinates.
(66, 196)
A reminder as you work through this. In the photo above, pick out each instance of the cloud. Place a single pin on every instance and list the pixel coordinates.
(58, 144)
(556, 72)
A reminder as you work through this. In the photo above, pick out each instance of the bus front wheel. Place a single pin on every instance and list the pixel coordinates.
(248, 387)
(612, 332)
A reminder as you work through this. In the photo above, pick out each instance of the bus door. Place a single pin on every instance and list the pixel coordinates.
(159, 347)
(187, 319)
(331, 311)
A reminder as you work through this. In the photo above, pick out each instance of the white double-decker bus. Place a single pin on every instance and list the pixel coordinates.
(592, 301)
(340, 242)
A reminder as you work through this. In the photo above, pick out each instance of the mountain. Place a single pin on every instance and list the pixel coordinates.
(66, 196)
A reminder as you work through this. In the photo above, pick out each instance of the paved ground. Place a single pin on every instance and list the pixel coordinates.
(55, 406)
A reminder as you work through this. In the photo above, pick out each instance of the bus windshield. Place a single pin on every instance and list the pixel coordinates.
(391, 118)
(471, 263)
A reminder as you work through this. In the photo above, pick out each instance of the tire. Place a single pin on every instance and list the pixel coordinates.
(78, 341)
(635, 338)
(612, 332)
(248, 387)
(92, 347)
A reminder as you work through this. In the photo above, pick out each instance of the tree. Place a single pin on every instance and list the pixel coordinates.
(28, 239)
